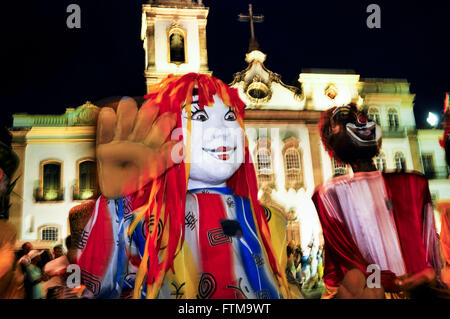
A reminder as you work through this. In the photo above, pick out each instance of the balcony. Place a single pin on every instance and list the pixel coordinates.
(440, 172)
(84, 194)
(48, 195)
(393, 132)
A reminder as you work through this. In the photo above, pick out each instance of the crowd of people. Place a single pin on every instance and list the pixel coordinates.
(42, 272)
(304, 268)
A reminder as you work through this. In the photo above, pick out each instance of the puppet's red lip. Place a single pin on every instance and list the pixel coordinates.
(223, 149)
(222, 152)
(220, 149)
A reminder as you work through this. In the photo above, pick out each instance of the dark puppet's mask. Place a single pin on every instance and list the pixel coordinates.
(348, 135)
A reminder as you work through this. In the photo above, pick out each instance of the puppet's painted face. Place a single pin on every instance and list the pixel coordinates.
(353, 137)
(217, 143)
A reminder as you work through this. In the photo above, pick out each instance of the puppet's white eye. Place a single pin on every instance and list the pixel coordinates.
(200, 115)
(230, 116)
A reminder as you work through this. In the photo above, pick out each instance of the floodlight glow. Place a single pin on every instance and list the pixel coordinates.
(432, 119)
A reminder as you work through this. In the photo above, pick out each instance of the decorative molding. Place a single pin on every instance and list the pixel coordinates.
(257, 80)
(331, 91)
(267, 201)
(84, 115)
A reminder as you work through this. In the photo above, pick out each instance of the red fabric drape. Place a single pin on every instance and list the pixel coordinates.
(409, 195)
(97, 255)
(341, 252)
(215, 247)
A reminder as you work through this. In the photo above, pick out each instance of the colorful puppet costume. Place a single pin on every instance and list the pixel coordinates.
(165, 241)
(211, 264)
(373, 221)
(377, 218)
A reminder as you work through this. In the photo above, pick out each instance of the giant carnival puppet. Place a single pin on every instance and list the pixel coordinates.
(373, 220)
(179, 215)
(10, 276)
(444, 205)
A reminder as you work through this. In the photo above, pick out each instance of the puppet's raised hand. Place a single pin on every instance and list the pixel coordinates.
(133, 146)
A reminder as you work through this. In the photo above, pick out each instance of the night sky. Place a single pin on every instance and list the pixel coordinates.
(47, 67)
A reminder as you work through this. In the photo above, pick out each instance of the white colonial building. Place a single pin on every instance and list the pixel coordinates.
(57, 152)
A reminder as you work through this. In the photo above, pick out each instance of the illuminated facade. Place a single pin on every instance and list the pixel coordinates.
(57, 152)
(174, 36)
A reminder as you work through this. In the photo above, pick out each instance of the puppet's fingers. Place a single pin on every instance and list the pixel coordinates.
(106, 124)
(144, 121)
(161, 130)
(126, 116)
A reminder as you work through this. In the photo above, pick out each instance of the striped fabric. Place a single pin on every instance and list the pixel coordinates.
(216, 261)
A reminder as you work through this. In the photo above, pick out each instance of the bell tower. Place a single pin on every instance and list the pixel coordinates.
(174, 35)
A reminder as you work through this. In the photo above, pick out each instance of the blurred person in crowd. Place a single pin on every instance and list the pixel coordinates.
(35, 275)
(26, 248)
(298, 263)
(11, 278)
(320, 264)
(46, 256)
(56, 270)
(291, 271)
(57, 251)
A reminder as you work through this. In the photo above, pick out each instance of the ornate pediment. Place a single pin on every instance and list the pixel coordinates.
(85, 114)
(258, 82)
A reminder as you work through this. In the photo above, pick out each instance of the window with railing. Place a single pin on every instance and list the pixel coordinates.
(49, 233)
(50, 184)
(374, 115)
(86, 186)
(399, 160)
(338, 168)
(428, 165)
(393, 119)
(264, 171)
(380, 162)
(292, 163)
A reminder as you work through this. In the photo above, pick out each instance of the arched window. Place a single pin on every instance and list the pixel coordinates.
(177, 48)
(292, 163)
(87, 179)
(380, 162)
(374, 115)
(339, 169)
(292, 158)
(264, 163)
(49, 233)
(399, 159)
(428, 165)
(393, 119)
(50, 188)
